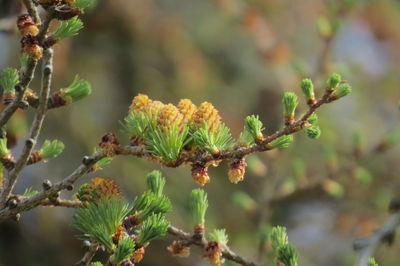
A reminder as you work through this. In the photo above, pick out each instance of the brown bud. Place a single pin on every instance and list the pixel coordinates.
(109, 144)
(26, 25)
(236, 171)
(213, 253)
(178, 248)
(30, 45)
(138, 254)
(65, 12)
(118, 234)
(34, 157)
(200, 174)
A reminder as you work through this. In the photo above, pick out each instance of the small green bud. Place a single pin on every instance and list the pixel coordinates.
(313, 119)
(219, 235)
(324, 27)
(68, 28)
(124, 251)
(155, 182)
(96, 263)
(278, 237)
(244, 201)
(288, 255)
(51, 149)
(78, 90)
(281, 142)
(372, 262)
(313, 132)
(198, 206)
(254, 127)
(8, 79)
(333, 81)
(308, 89)
(333, 188)
(342, 91)
(363, 176)
(4, 152)
(29, 192)
(289, 102)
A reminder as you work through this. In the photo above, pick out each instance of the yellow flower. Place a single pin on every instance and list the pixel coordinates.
(206, 113)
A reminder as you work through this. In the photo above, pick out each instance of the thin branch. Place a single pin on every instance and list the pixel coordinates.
(35, 129)
(366, 246)
(227, 253)
(32, 10)
(88, 256)
(62, 203)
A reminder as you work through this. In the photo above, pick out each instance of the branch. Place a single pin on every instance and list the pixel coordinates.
(227, 253)
(35, 129)
(367, 246)
(87, 258)
(32, 10)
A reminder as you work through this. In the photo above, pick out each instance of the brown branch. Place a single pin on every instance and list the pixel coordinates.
(35, 129)
(366, 246)
(227, 253)
(62, 203)
(88, 256)
(32, 10)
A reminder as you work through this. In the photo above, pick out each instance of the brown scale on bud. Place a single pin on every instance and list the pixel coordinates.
(48, 3)
(198, 232)
(30, 46)
(127, 263)
(236, 171)
(169, 116)
(8, 97)
(109, 144)
(140, 103)
(56, 100)
(200, 174)
(27, 26)
(180, 249)
(8, 161)
(187, 109)
(49, 42)
(34, 157)
(131, 221)
(214, 253)
(208, 114)
(118, 234)
(138, 254)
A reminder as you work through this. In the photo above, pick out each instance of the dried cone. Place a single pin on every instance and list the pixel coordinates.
(109, 144)
(169, 116)
(30, 46)
(27, 26)
(187, 109)
(177, 248)
(138, 255)
(208, 114)
(140, 103)
(200, 174)
(236, 171)
(214, 253)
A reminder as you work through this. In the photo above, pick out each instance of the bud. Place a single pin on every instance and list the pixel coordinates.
(287, 254)
(118, 234)
(324, 27)
(198, 204)
(109, 144)
(333, 188)
(138, 254)
(98, 188)
(30, 46)
(187, 109)
(236, 171)
(78, 90)
(333, 81)
(281, 142)
(308, 89)
(372, 262)
(289, 102)
(67, 29)
(169, 116)
(206, 113)
(9, 78)
(27, 26)
(214, 253)
(342, 91)
(200, 174)
(140, 103)
(178, 248)
(313, 132)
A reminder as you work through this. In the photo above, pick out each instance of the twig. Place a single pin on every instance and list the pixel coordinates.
(32, 10)
(35, 129)
(367, 246)
(227, 253)
(62, 203)
(87, 258)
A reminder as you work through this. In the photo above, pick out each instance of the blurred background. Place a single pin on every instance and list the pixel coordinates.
(241, 56)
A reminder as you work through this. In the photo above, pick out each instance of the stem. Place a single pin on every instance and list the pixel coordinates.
(88, 256)
(227, 253)
(32, 10)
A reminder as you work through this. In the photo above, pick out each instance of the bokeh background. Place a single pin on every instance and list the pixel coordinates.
(241, 56)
